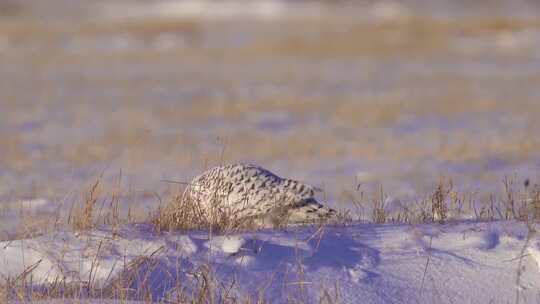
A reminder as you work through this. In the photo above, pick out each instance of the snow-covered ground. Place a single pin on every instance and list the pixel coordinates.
(378, 93)
(452, 263)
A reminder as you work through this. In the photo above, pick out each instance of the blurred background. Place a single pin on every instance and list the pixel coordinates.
(333, 93)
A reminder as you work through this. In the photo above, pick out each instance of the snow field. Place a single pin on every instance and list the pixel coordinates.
(467, 262)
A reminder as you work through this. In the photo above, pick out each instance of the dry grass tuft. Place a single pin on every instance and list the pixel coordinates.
(184, 214)
(533, 199)
(83, 218)
(379, 214)
(510, 211)
(439, 205)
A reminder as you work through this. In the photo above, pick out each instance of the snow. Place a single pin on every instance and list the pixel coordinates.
(227, 244)
(34, 203)
(468, 262)
(212, 10)
(95, 257)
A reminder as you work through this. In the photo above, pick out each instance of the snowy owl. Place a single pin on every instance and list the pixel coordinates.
(243, 191)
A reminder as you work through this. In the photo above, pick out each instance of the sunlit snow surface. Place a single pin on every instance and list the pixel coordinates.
(466, 263)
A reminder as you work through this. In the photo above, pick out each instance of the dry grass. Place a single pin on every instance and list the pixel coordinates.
(446, 204)
(378, 213)
(184, 214)
(439, 208)
(99, 208)
(83, 218)
(134, 284)
(202, 287)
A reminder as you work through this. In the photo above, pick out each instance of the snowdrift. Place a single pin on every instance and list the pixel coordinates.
(495, 262)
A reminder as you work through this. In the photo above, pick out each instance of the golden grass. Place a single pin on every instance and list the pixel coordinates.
(100, 208)
(410, 36)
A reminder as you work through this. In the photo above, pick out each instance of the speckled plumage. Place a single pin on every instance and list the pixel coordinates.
(244, 190)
